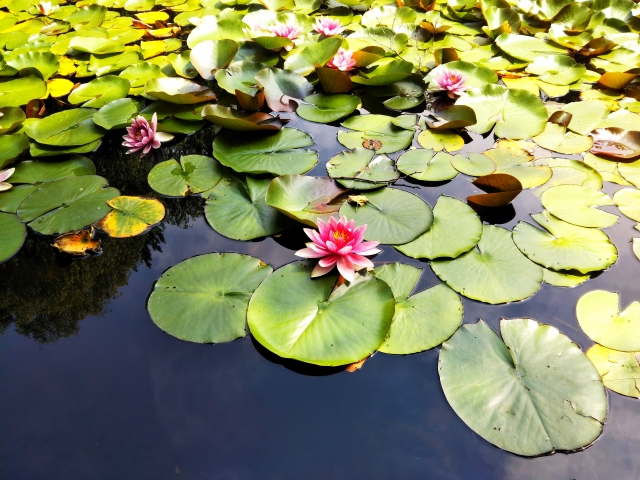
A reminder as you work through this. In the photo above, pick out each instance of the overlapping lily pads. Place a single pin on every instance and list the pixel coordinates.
(358, 169)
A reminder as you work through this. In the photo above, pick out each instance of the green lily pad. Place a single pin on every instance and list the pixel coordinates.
(37, 171)
(279, 153)
(204, 299)
(394, 134)
(456, 229)
(526, 48)
(38, 150)
(67, 128)
(178, 90)
(556, 138)
(383, 72)
(576, 204)
(531, 393)
(474, 164)
(66, 205)
(426, 165)
(392, 216)
(118, 113)
(306, 319)
(20, 91)
(211, 55)
(518, 164)
(358, 169)
(96, 45)
(194, 174)
(600, 317)
(101, 91)
(516, 114)
(556, 69)
(237, 209)
(45, 62)
(586, 115)
(564, 246)
(240, 76)
(305, 199)
(620, 371)
(627, 200)
(10, 118)
(501, 273)
(131, 216)
(562, 279)
(421, 321)
(11, 147)
(282, 87)
(12, 235)
(593, 179)
(629, 171)
(326, 108)
(10, 199)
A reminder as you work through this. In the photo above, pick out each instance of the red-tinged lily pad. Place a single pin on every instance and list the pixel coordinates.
(501, 189)
(616, 143)
(616, 80)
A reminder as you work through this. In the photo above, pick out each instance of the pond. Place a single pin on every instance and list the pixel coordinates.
(451, 358)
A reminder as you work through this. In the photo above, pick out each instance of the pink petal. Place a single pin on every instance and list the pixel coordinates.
(360, 261)
(318, 271)
(373, 251)
(309, 253)
(345, 267)
(365, 246)
(328, 261)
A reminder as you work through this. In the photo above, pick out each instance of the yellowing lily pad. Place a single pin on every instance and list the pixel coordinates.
(439, 141)
(620, 371)
(131, 216)
(576, 204)
(78, 244)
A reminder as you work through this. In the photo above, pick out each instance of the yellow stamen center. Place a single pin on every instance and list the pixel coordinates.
(337, 235)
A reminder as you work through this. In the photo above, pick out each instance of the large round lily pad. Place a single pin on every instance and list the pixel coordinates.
(495, 271)
(193, 174)
(627, 200)
(421, 321)
(66, 128)
(474, 165)
(66, 205)
(131, 216)
(326, 108)
(204, 299)
(392, 216)
(279, 153)
(358, 169)
(564, 246)
(426, 165)
(576, 204)
(12, 235)
(620, 371)
(531, 393)
(387, 133)
(456, 229)
(306, 319)
(38, 171)
(236, 208)
(600, 317)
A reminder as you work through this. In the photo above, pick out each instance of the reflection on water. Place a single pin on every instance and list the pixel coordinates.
(121, 399)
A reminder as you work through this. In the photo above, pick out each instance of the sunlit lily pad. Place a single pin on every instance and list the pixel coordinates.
(99, 92)
(421, 321)
(394, 134)
(501, 273)
(392, 216)
(325, 108)
(241, 121)
(525, 47)
(564, 246)
(12, 235)
(628, 201)
(45, 62)
(474, 164)
(456, 229)
(576, 204)
(302, 318)
(240, 76)
(236, 208)
(194, 174)
(178, 90)
(279, 153)
(10, 118)
(440, 140)
(501, 189)
(117, 113)
(562, 279)
(131, 216)
(556, 138)
(629, 171)
(593, 178)
(36, 171)
(426, 165)
(78, 244)
(531, 393)
(358, 169)
(15, 92)
(282, 88)
(204, 299)
(620, 371)
(67, 205)
(211, 55)
(600, 317)
(305, 199)
(67, 128)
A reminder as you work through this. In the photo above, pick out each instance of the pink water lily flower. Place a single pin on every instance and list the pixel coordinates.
(343, 60)
(328, 26)
(4, 175)
(338, 243)
(451, 82)
(285, 30)
(144, 136)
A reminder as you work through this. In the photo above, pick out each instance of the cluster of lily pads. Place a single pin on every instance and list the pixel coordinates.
(421, 71)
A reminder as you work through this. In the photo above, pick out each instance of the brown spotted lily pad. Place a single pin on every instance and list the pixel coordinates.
(80, 243)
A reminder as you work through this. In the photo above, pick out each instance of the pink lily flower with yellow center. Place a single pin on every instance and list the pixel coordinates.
(343, 60)
(286, 31)
(451, 82)
(4, 175)
(328, 26)
(338, 243)
(144, 136)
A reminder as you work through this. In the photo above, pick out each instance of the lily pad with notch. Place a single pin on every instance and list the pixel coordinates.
(577, 205)
(131, 216)
(326, 108)
(620, 371)
(392, 134)
(193, 174)
(426, 165)
(358, 169)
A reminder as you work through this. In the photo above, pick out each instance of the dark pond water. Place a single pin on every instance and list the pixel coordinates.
(92, 389)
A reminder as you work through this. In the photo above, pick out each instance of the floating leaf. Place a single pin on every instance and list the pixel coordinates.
(526, 48)
(620, 371)
(211, 55)
(19, 91)
(178, 90)
(531, 393)
(501, 189)
(279, 153)
(306, 319)
(556, 138)
(561, 279)
(452, 117)
(426, 165)
(66, 128)
(10, 118)
(12, 235)
(576, 204)
(556, 69)
(67, 205)
(439, 141)
(194, 174)
(11, 147)
(474, 164)
(616, 80)
(456, 229)
(204, 299)
(45, 62)
(586, 115)
(600, 317)
(421, 321)
(78, 244)
(241, 121)
(564, 246)
(282, 87)
(237, 209)
(334, 81)
(305, 199)
(593, 179)
(517, 163)
(501, 273)
(240, 76)
(35, 171)
(627, 200)
(117, 114)
(392, 216)
(394, 134)
(616, 143)
(131, 216)
(358, 169)
(101, 91)
(383, 72)
(323, 108)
